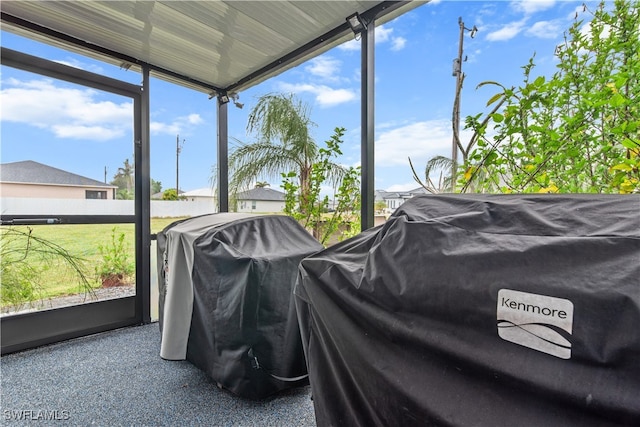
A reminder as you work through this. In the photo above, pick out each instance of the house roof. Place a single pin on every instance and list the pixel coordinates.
(30, 172)
(209, 46)
(264, 194)
(384, 195)
(200, 192)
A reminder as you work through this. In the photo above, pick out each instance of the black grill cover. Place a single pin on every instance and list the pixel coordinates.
(227, 281)
(479, 311)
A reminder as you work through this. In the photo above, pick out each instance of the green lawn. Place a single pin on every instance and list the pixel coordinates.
(50, 277)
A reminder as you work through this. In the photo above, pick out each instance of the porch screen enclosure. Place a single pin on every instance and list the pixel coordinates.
(75, 223)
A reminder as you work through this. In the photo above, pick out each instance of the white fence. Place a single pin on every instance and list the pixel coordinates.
(53, 207)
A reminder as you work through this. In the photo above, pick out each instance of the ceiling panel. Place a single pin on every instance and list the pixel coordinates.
(203, 45)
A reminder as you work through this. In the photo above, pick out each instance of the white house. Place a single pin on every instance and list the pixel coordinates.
(264, 200)
(200, 194)
(29, 179)
(393, 199)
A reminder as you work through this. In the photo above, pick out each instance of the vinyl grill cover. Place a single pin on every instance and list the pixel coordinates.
(226, 299)
(479, 311)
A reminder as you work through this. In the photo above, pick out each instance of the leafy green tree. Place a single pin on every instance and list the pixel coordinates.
(124, 194)
(282, 127)
(156, 186)
(578, 131)
(124, 176)
(170, 194)
(123, 179)
(380, 205)
(311, 209)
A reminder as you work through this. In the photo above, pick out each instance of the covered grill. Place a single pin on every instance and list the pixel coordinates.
(226, 299)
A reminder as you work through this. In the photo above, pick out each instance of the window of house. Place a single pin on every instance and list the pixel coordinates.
(253, 204)
(96, 194)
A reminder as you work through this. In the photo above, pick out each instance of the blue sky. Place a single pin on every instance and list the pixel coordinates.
(85, 131)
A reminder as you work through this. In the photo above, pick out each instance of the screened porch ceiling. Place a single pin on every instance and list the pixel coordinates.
(210, 46)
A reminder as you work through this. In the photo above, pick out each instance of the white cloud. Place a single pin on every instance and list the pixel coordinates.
(407, 186)
(350, 45)
(194, 119)
(94, 133)
(325, 96)
(389, 125)
(532, 6)
(383, 34)
(75, 63)
(587, 31)
(164, 128)
(178, 125)
(507, 32)
(298, 87)
(420, 141)
(486, 12)
(329, 97)
(324, 66)
(576, 12)
(398, 43)
(77, 113)
(545, 29)
(64, 111)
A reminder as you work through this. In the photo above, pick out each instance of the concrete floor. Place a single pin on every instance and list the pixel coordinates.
(117, 378)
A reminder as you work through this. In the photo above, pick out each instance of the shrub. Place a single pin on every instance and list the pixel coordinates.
(24, 258)
(116, 268)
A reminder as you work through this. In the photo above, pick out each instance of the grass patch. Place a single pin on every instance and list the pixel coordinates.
(53, 277)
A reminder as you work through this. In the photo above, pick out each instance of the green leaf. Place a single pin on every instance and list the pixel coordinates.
(491, 158)
(622, 167)
(573, 151)
(488, 82)
(494, 98)
(632, 126)
(539, 81)
(497, 117)
(537, 128)
(616, 100)
(628, 143)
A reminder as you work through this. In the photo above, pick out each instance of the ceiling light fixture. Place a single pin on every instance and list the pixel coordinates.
(357, 23)
(234, 96)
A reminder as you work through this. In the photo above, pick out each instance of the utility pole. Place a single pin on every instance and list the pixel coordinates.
(105, 174)
(178, 150)
(455, 120)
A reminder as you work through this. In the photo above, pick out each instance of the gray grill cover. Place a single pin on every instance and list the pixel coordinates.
(479, 311)
(226, 299)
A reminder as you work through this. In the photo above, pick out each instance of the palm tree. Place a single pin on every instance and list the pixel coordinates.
(126, 174)
(479, 178)
(438, 163)
(123, 179)
(284, 144)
